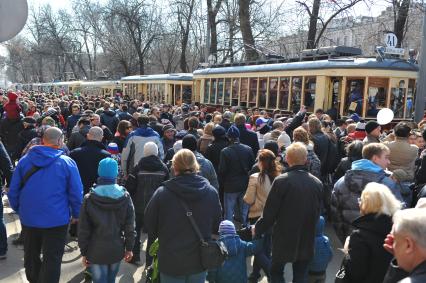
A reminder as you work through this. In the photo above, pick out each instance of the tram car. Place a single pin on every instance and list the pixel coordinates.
(172, 89)
(348, 84)
(100, 88)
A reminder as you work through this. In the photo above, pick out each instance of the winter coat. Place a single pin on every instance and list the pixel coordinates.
(207, 170)
(313, 162)
(110, 119)
(234, 269)
(214, 149)
(343, 166)
(203, 143)
(167, 144)
(145, 179)
(321, 146)
(249, 138)
(292, 209)
(256, 195)
(71, 122)
(370, 139)
(9, 134)
(418, 275)
(165, 218)
(357, 135)
(24, 137)
(179, 121)
(52, 195)
(12, 110)
(347, 190)
(106, 228)
(78, 138)
(119, 141)
(236, 161)
(87, 158)
(6, 166)
(403, 156)
(124, 116)
(421, 171)
(139, 138)
(158, 127)
(368, 261)
(323, 252)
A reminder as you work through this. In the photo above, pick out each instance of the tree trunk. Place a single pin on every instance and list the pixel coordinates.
(245, 26)
(313, 19)
(212, 13)
(401, 21)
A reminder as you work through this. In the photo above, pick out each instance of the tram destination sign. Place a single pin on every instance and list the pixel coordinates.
(391, 42)
(393, 50)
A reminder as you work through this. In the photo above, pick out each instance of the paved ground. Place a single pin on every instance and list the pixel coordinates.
(12, 271)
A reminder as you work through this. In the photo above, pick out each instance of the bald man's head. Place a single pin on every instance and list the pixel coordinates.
(53, 136)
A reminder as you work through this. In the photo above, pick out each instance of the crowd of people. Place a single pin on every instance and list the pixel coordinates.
(108, 169)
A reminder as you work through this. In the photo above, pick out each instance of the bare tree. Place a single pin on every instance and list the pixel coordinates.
(246, 30)
(400, 12)
(212, 10)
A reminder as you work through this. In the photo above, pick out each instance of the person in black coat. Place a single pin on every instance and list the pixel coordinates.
(88, 156)
(9, 131)
(165, 218)
(292, 209)
(420, 176)
(109, 118)
(367, 260)
(213, 150)
(26, 135)
(236, 161)
(354, 151)
(142, 182)
(247, 137)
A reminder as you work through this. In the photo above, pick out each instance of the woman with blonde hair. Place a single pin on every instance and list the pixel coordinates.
(257, 192)
(367, 260)
(206, 139)
(167, 220)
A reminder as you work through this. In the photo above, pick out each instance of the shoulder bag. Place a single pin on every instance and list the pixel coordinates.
(213, 253)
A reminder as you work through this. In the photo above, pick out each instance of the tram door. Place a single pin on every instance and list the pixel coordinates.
(335, 97)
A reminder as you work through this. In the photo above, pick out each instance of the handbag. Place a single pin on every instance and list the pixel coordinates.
(341, 273)
(213, 253)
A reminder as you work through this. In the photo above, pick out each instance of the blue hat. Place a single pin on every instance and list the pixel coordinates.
(108, 168)
(233, 132)
(218, 131)
(261, 120)
(355, 117)
(226, 227)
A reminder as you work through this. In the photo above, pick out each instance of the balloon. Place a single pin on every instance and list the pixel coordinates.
(385, 116)
(13, 16)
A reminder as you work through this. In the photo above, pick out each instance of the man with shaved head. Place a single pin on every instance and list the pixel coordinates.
(46, 191)
(88, 156)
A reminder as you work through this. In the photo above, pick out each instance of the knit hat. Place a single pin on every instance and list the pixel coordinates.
(400, 175)
(226, 227)
(355, 117)
(150, 148)
(108, 168)
(113, 148)
(189, 142)
(219, 131)
(227, 115)
(168, 127)
(272, 146)
(371, 126)
(233, 132)
(284, 140)
(360, 126)
(177, 146)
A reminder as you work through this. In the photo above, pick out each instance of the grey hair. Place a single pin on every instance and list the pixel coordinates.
(95, 133)
(411, 221)
(53, 136)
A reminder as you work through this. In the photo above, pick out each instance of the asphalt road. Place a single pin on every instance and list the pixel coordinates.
(12, 271)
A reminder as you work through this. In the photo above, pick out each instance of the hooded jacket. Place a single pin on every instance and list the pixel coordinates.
(139, 138)
(51, 193)
(323, 252)
(347, 190)
(110, 119)
(106, 224)
(234, 269)
(12, 108)
(165, 218)
(368, 261)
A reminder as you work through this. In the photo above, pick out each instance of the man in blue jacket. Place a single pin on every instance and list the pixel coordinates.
(46, 203)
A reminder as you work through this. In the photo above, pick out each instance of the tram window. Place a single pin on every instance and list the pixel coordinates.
(377, 92)
(187, 94)
(296, 93)
(244, 90)
(220, 91)
(253, 92)
(284, 92)
(263, 83)
(354, 96)
(213, 91)
(397, 99)
(310, 89)
(235, 91)
(178, 95)
(273, 91)
(411, 98)
(206, 90)
(227, 94)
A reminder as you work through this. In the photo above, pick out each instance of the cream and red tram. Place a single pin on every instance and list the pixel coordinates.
(351, 85)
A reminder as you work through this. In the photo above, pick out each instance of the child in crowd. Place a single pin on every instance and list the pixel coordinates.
(323, 255)
(234, 268)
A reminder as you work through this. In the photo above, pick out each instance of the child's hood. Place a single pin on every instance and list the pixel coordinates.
(232, 244)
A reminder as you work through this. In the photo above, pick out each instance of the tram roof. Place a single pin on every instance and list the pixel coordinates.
(99, 83)
(341, 63)
(166, 77)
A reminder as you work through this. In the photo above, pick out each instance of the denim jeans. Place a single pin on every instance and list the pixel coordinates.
(104, 273)
(231, 200)
(300, 271)
(3, 234)
(52, 242)
(193, 278)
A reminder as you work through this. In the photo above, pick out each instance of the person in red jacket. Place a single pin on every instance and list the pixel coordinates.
(12, 108)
